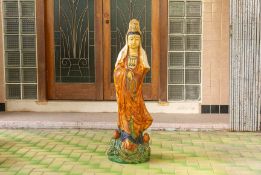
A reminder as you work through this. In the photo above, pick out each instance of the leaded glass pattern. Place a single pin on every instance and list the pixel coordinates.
(74, 41)
(122, 11)
(20, 49)
(184, 57)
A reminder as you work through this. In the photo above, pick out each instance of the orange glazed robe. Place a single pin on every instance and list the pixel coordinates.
(133, 117)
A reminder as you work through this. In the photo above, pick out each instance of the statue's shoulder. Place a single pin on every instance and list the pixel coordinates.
(144, 52)
(123, 50)
(121, 55)
(145, 59)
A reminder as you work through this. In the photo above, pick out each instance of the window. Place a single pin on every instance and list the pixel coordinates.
(184, 52)
(20, 49)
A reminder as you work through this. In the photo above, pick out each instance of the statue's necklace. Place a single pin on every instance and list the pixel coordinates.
(132, 61)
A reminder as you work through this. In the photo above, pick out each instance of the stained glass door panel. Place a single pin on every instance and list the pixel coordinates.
(117, 14)
(122, 11)
(73, 37)
(74, 41)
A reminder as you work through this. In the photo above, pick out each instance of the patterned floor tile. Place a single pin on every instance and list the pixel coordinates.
(79, 152)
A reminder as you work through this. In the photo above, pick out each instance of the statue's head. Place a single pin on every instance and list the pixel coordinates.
(134, 34)
(133, 41)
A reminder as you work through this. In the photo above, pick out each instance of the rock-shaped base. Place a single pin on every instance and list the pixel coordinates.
(117, 153)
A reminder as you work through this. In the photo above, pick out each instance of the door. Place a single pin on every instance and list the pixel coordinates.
(83, 38)
(117, 14)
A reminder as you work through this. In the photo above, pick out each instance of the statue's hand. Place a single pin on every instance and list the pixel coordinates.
(129, 76)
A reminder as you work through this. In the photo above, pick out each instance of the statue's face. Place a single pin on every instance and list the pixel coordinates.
(133, 41)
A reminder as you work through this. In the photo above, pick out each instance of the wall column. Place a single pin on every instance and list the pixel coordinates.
(2, 79)
(245, 65)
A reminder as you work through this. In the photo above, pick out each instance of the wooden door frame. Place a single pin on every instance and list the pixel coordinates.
(40, 27)
(161, 53)
(164, 37)
(151, 89)
(73, 91)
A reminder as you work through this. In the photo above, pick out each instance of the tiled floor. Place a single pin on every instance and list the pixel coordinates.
(68, 151)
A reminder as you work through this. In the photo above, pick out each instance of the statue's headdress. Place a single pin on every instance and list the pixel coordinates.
(134, 27)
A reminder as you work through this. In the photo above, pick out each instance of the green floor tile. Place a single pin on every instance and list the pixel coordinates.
(72, 151)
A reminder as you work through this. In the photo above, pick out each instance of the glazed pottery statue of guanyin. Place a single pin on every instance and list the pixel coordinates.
(130, 143)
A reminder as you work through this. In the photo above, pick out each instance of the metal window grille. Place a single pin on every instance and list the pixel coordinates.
(20, 49)
(184, 52)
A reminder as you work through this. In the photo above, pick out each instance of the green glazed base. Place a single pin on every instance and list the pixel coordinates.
(120, 155)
